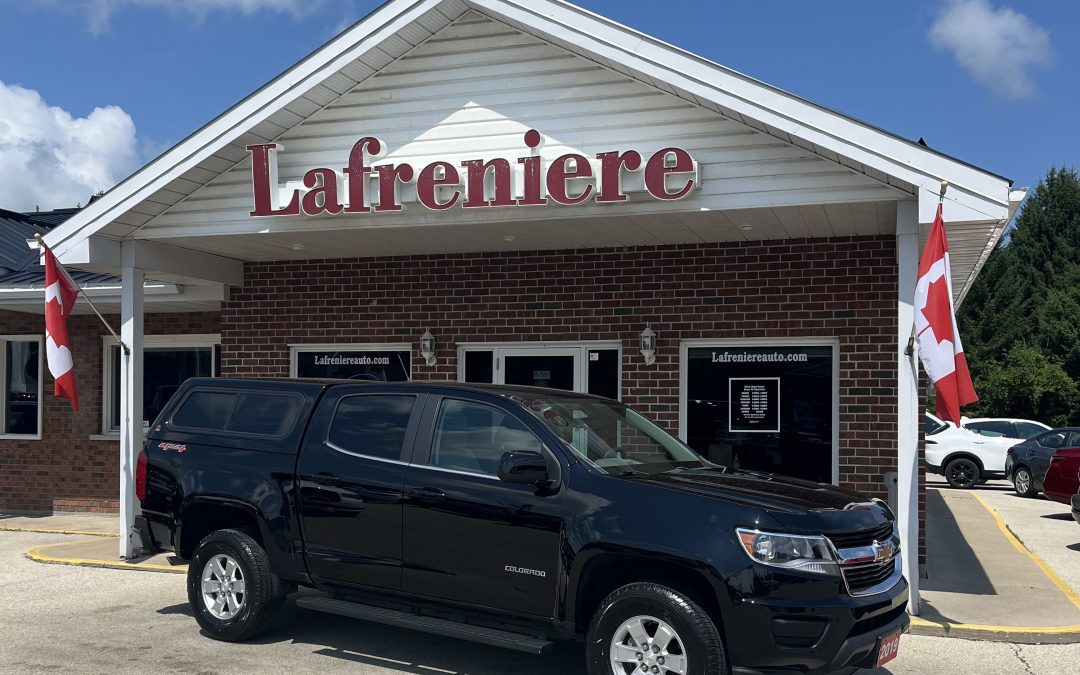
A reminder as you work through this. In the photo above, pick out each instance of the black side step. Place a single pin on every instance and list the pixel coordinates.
(487, 636)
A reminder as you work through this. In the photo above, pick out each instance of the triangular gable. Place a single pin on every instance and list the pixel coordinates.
(400, 25)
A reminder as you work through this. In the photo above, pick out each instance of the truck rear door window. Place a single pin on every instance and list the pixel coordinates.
(371, 425)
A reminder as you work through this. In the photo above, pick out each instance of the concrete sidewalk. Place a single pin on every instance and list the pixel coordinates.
(101, 550)
(983, 583)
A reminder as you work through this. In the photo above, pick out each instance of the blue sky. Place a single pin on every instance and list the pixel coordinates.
(992, 82)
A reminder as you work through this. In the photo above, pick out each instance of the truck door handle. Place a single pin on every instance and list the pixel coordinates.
(429, 494)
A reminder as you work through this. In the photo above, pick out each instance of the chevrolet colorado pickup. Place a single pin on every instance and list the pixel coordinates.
(511, 516)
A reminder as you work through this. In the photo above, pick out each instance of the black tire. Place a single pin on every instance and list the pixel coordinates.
(263, 595)
(698, 635)
(1021, 477)
(962, 473)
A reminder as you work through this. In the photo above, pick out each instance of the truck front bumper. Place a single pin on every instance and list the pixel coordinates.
(839, 634)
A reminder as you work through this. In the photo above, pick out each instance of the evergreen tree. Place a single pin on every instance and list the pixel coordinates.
(1021, 319)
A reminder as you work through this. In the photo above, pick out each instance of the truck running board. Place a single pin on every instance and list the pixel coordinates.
(454, 629)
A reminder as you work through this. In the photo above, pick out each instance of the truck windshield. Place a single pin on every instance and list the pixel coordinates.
(611, 436)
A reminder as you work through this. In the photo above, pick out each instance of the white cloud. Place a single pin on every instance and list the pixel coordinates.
(998, 47)
(51, 159)
(100, 11)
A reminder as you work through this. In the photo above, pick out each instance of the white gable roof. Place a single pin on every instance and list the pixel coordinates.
(977, 197)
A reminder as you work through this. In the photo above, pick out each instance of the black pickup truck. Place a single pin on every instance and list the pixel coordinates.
(512, 516)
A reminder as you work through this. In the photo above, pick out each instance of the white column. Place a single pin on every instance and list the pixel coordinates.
(131, 392)
(907, 389)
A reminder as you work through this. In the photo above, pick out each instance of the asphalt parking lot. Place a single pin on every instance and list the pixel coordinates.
(90, 620)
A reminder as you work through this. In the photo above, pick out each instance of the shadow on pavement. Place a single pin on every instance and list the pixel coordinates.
(405, 651)
(951, 564)
(1057, 516)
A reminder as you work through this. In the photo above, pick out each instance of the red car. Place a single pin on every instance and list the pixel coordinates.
(1062, 480)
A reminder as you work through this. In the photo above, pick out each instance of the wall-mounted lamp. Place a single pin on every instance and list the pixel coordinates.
(648, 345)
(427, 347)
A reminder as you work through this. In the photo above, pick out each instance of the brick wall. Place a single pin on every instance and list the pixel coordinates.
(843, 287)
(66, 470)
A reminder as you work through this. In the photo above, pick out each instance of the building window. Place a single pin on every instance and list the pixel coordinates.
(168, 360)
(375, 363)
(20, 370)
(769, 406)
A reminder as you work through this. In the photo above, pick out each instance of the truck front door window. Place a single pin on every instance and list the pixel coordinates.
(473, 437)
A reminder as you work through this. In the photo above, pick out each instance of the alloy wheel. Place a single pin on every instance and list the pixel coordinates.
(1023, 481)
(223, 587)
(645, 644)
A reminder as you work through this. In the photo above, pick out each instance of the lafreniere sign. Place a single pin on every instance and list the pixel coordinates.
(669, 174)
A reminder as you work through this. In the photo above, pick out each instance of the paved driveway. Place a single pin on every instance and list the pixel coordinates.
(88, 620)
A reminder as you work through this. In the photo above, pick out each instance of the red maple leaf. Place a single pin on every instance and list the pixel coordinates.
(938, 311)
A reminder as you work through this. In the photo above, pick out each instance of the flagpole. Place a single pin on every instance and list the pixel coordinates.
(90, 302)
(911, 340)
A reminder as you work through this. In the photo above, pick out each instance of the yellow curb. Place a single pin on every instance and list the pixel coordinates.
(982, 628)
(36, 554)
(86, 533)
(1046, 569)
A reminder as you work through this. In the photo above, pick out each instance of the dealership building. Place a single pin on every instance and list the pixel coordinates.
(517, 191)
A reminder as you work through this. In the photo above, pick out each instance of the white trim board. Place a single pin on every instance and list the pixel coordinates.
(399, 25)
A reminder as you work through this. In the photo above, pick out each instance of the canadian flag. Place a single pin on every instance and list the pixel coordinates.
(60, 294)
(940, 350)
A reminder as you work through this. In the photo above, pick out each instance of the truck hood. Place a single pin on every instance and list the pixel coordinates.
(801, 506)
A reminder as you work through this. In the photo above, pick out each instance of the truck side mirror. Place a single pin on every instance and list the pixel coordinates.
(523, 466)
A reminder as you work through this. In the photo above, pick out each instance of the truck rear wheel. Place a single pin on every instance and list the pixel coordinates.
(232, 592)
(648, 628)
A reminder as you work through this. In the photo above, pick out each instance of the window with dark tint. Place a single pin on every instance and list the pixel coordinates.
(991, 429)
(1028, 429)
(931, 426)
(604, 372)
(208, 410)
(372, 425)
(478, 366)
(266, 414)
(1074, 439)
(1054, 439)
(472, 437)
(164, 370)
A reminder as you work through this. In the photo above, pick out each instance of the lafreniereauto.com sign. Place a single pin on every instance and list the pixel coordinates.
(363, 186)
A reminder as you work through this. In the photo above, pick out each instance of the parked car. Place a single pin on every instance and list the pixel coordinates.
(1026, 463)
(963, 457)
(1008, 430)
(512, 516)
(1062, 479)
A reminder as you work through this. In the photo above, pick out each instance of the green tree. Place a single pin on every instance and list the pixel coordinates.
(1023, 312)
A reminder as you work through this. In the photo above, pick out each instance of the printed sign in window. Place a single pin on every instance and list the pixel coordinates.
(372, 365)
(754, 404)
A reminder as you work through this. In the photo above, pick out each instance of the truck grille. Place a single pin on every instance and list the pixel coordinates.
(861, 575)
(861, 578)
(862, 537)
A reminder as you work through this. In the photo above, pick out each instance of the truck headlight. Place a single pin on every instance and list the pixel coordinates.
(801, 553)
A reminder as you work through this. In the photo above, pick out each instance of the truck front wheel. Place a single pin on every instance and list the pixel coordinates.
(649, 628)
(232, 592)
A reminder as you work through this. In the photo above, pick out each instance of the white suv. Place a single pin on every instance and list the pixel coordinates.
(970, 455)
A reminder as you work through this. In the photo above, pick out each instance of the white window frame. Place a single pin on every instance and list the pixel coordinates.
(583, 359)
(295, 349)
(193, 341)
(40, 339)
(757, 343)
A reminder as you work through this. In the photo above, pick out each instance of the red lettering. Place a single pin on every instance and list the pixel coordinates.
(321, 182)
(358, 170)
(558, 174)
(264, 181)
(534, 171)
(477, 172)
(657, 171)
(611, 164)
(389, 174)
(427, 183)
